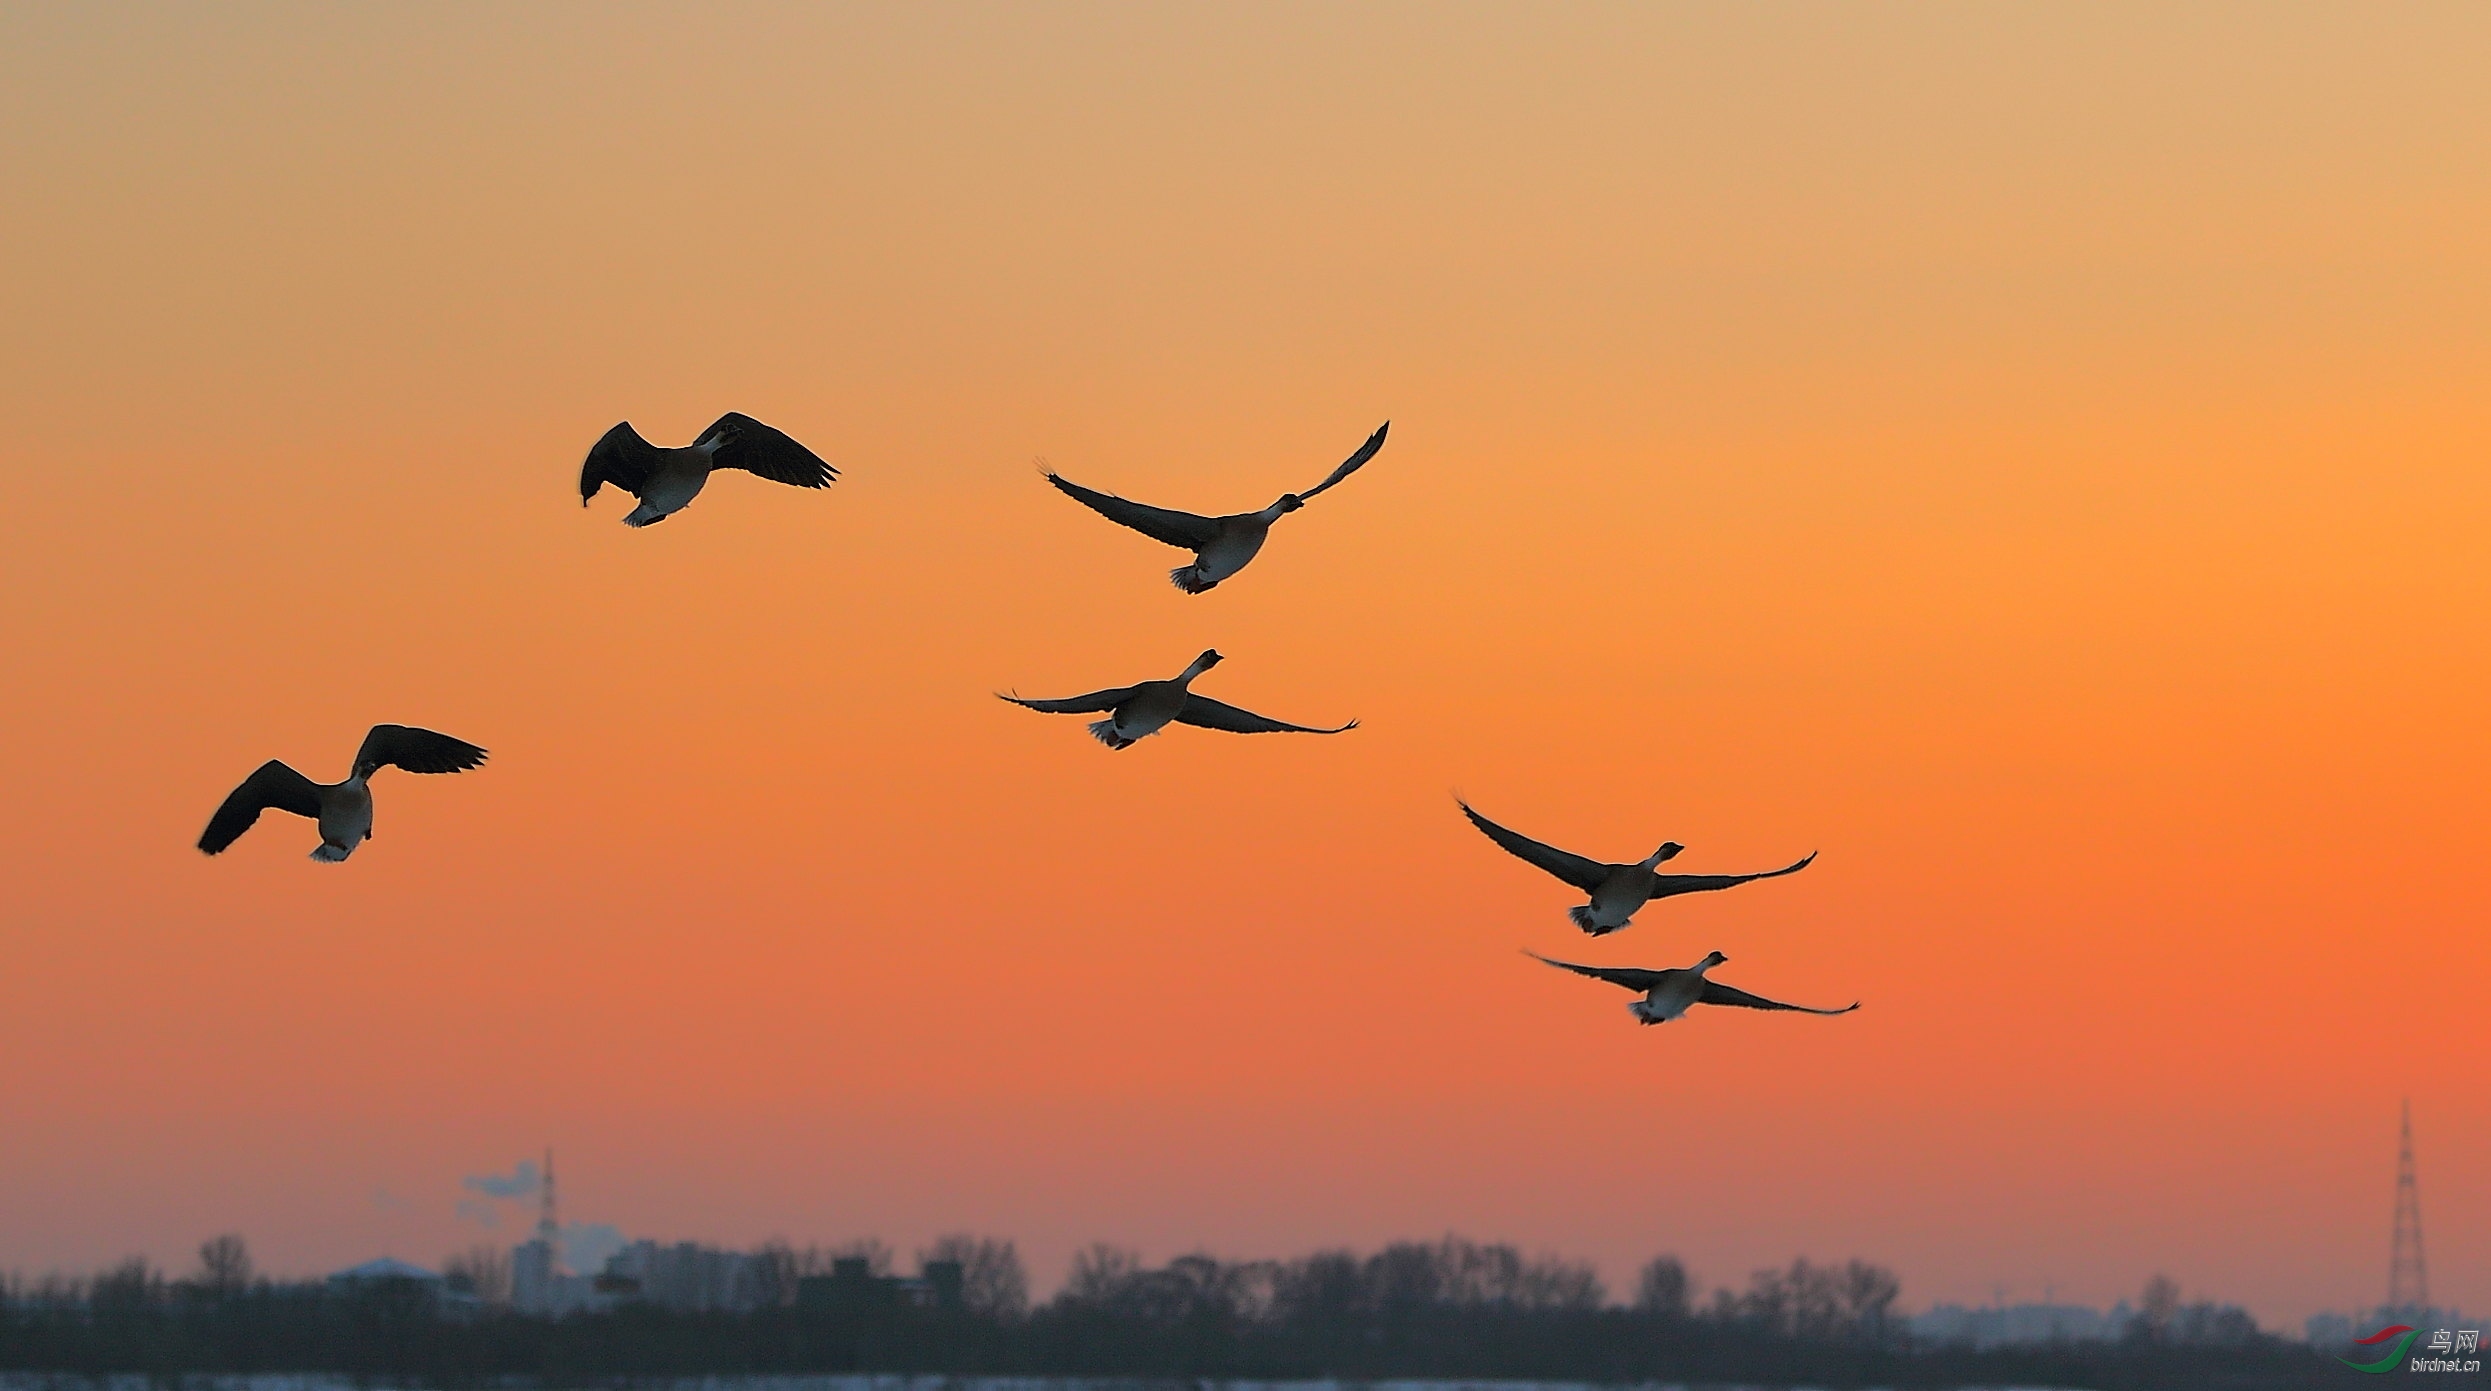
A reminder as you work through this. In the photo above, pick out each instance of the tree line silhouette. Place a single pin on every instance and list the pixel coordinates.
(1451, 1309)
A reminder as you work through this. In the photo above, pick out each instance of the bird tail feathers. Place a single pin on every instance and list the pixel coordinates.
(642, 516)
(1104, 731)
(1582, 915)
(1189, 578)
(329, 854)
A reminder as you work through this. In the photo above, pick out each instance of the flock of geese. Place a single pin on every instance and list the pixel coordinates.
(664, 481)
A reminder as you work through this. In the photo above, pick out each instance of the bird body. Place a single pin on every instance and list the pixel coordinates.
(675, 478)
(1239, 539)
(665, 480)
(1669, 994)
(1150, 706)
(1622, 892)
(1221, 545)
(1617, 892)
(342, 810)
(1674, 994)
(345, 818)
(1135, 712)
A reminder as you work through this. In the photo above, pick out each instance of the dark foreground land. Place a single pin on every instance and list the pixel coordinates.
(1413, 1312)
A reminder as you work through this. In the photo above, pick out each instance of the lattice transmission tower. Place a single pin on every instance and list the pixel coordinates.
(2408, 1277)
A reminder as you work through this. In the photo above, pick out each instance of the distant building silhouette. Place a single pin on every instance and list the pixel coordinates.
(391, 1279)
(539, 1282)
(2022, 1324)
(851, 1287)
(687, 1277)
(385, 1270)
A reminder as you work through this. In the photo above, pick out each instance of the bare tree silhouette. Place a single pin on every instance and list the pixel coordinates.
(1662, 1288)
(224, 1266)
(1099, 1274)
(992, 1282)
(2157, 1308)
(483, 1270)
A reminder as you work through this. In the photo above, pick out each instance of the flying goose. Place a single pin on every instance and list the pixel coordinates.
(666, 480)
(1221, 545)
(1668, 994)
(344, 809)
(1617, 891)
(1138, 711)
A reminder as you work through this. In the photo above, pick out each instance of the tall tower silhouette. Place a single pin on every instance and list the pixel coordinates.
(536, 1264)
(2408, 1278)
(549, 1231)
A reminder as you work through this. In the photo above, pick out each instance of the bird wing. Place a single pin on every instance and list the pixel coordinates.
(619, 457)
(1206, 713)
(1663, 885)
(416, 750)
(1632, 977)
(1715, 993)
(756, 448)
(1582, 873)
(273, 785)
(1158, 523)
(1350, 465)
(1096, 702)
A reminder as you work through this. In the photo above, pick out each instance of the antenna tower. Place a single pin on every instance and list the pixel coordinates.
(2408, 1279)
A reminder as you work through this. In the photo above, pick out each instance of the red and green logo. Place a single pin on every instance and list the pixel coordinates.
(2404, 1334)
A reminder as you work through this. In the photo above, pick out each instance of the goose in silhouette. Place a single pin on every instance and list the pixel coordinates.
(1221, 545)
(1617, 891)
(1669, 994)
(666, 480)
(1135, 712)
(343, 809)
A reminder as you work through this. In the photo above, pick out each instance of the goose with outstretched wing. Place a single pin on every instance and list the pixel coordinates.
(1670, 993)
(1617, 892)
(343, 809)
(1136, 712)
(1221, 545)
(666, 480)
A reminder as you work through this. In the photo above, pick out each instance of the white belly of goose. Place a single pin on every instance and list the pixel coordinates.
(1669, 1001)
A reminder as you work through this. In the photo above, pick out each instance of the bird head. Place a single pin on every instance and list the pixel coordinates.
(1710, 961)
(1668, 851)
(1289, 502)
(1210, 658)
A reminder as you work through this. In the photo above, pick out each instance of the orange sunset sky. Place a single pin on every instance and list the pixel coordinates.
(2038, 457)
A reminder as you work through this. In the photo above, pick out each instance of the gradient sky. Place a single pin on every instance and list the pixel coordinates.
(2035, 456)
